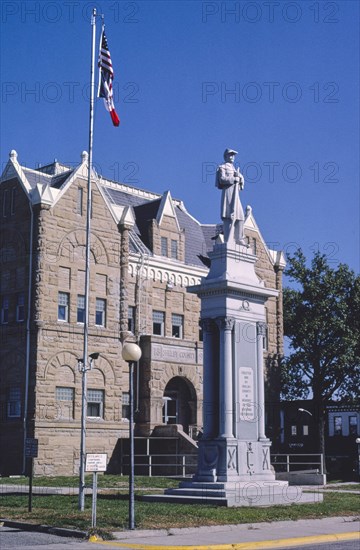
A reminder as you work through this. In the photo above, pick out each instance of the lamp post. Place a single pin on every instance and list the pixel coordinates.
(83, 368)
(131, 353)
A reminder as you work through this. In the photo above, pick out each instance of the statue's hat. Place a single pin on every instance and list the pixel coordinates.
(230, 152)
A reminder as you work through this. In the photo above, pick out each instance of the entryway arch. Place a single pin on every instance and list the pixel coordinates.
(179, 403)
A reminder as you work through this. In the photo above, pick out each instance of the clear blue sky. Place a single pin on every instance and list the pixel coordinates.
(278, 81)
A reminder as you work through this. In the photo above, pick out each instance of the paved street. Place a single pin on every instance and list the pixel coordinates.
(331, 533)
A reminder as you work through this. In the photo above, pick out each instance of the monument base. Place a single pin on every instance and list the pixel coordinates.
(233, 460)
(252, 493)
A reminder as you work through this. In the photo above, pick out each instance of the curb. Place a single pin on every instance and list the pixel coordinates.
(60, 531)
(271, 544)
(254, 526)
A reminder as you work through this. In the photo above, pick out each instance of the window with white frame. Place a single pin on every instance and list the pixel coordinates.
(63, 306)
(95, 403)
(14, 402)
(65, 400)
(177, 325)
(174, 249)
(100, 313)
(80, 311)
(125, 405)
(158, 323)
(293, 430)
(164, 246)
(305, 430)
(20, 307)
(5, 310)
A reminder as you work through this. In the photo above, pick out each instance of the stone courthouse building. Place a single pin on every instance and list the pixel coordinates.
(146, 249)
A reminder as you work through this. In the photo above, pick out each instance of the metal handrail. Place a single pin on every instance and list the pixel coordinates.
(290, 462)
(182, 465)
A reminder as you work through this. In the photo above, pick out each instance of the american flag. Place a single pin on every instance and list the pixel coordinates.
(106, 79)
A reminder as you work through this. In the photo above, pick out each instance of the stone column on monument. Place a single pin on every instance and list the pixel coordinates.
(226, 325)
(209, 387)
(261, 333)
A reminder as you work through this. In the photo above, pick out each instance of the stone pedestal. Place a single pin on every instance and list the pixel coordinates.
(234, 453)
(234, 449)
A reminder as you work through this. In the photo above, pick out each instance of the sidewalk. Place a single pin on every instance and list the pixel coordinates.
(320, 530)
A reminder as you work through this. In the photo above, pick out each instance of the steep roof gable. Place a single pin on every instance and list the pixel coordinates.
(275, 257)
(166, 208)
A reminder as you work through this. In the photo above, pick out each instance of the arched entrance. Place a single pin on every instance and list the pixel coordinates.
(179, 403)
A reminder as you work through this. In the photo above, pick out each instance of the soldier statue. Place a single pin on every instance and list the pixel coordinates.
(230, 181)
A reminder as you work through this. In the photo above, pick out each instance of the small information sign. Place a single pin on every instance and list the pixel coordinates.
(96, 462)
(31, 447)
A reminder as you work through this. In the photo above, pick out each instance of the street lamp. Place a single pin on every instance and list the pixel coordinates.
(83, 368)
(131, 353)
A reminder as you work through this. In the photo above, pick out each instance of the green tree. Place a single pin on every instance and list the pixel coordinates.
(322, 322)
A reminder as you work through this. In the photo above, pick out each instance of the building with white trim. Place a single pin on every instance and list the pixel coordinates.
(146, 249)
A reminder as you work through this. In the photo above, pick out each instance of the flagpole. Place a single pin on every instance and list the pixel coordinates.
(83, 365)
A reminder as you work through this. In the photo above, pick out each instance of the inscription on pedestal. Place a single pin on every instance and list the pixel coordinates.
(246, 394)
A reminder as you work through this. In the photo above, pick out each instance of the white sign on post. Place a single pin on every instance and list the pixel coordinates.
(96, 462)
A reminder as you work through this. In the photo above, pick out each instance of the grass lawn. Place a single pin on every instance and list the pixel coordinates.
(104, 481)
(112, 507)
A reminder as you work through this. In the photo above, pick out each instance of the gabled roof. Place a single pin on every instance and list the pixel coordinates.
(41, 184)
(276, 257)
(166, 208)
(148, 209)
(132, 206)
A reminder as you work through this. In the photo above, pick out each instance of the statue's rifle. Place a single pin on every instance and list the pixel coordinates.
(241, 177)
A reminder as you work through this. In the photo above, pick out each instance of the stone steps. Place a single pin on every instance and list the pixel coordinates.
(237, 494)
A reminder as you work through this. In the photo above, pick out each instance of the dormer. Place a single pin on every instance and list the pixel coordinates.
(160, 228)
(168, 237)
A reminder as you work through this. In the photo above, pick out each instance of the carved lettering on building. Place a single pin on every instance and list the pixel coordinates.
(177, 354)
